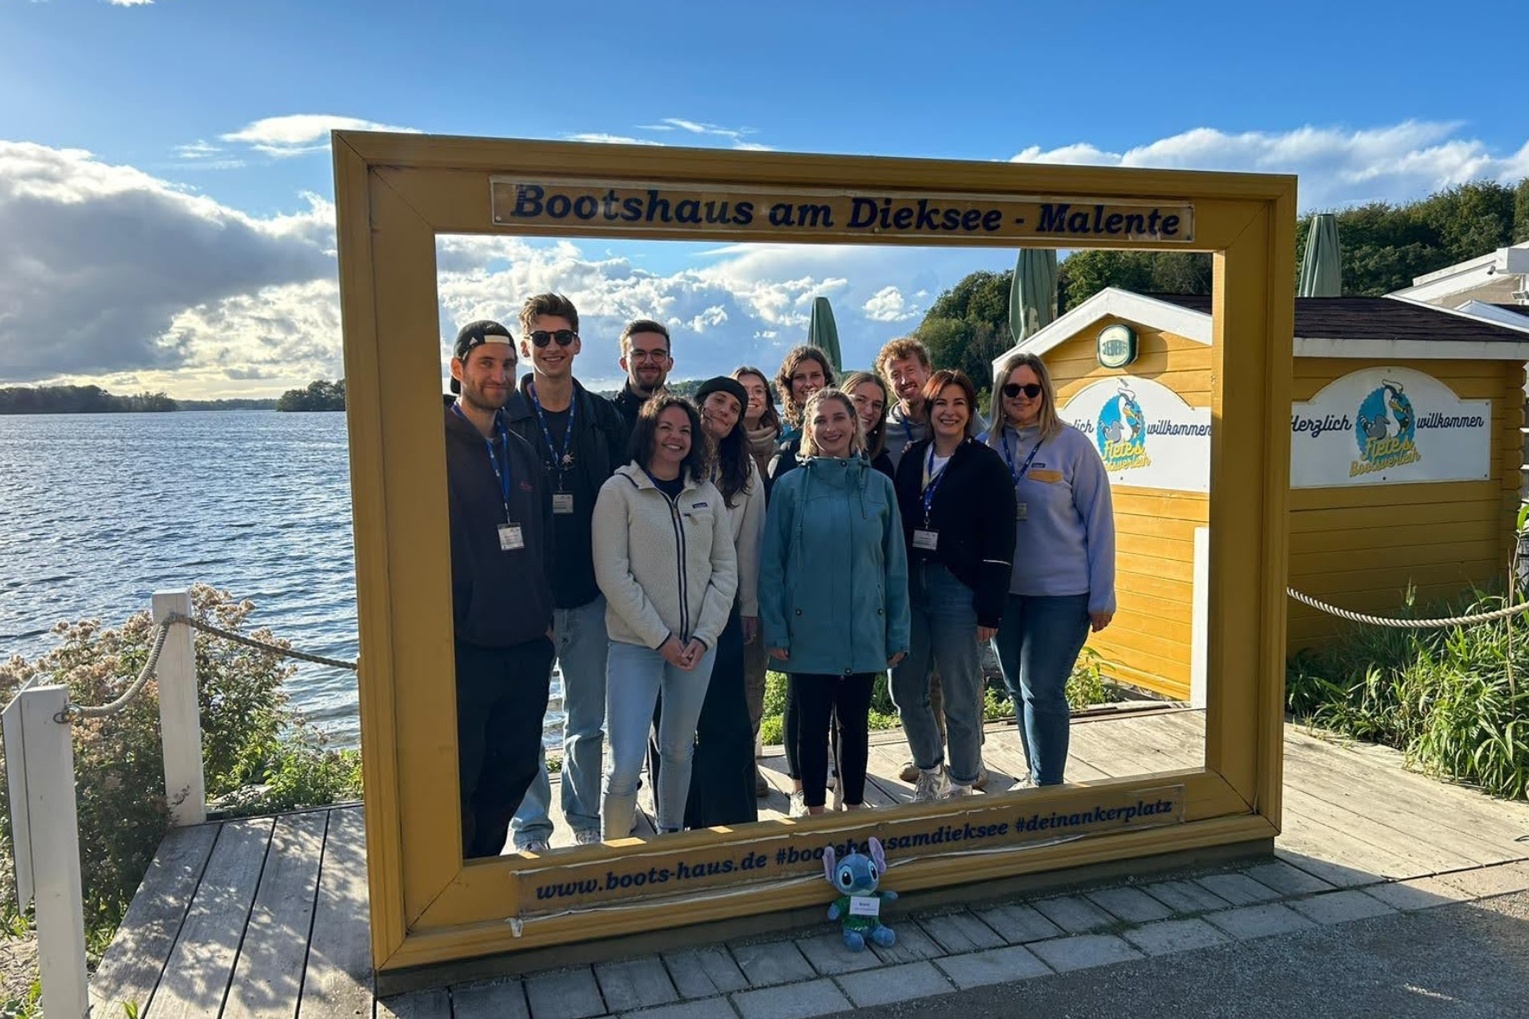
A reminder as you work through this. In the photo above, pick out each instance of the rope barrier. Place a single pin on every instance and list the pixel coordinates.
(259, 645)
(74, 711)
(1407, 624)
(151, 664)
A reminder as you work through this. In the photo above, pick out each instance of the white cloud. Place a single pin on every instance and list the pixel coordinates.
(129, 3)
(98, 264)
(198, 149)
(1337, 166)
(737, 137)
(203, 155)
(610, 139)
(888, 305)
(297, 134)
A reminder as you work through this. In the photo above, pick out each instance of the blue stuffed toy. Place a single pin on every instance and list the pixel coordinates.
(859, 904)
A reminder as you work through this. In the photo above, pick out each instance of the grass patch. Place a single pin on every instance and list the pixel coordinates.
(1454, 701)
(1085, 687)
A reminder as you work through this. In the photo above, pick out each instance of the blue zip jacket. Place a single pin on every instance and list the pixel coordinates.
(833, 573)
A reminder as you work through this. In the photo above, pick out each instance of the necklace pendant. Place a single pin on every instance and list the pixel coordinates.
(567, 460)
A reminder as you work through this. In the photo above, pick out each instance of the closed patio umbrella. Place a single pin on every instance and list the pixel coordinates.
(1321, 269)
(824, 334)
(1033, 294)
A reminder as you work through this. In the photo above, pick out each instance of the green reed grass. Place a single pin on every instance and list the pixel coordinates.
(1455, 701)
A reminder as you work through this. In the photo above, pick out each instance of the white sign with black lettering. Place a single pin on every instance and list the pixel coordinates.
(1146, 434)
(1388, 426)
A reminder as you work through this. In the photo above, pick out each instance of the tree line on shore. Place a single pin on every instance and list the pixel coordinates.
(319, 395)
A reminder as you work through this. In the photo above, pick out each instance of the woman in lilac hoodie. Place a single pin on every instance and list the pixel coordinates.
(1063, 584)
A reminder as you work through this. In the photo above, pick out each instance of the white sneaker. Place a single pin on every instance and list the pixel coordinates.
(1022, 783)
(587, 837)
(933, 784)
(956, 790)
(836, 802)
(798, 804)
(536, 846)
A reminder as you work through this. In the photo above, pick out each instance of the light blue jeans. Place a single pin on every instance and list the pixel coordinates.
(580, 642)
(635, 677)
(943, 635)
(1038, 642)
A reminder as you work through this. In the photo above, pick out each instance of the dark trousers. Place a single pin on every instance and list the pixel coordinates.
(844, 702)
(722, 772)
(501, 699)
(791, 729)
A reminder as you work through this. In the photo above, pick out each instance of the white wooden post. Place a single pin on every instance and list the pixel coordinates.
(53, 824)
(180, 720)
(1199, 618)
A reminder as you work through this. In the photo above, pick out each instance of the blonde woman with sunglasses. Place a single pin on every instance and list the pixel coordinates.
(1063, 582)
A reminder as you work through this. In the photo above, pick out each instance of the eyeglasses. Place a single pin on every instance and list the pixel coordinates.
(563, 337)
(1030, 389)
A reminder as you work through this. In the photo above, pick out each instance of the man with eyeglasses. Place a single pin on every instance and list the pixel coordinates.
(580, 439)
(645, 357)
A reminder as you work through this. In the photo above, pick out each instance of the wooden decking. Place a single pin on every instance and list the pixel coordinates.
(268, 916)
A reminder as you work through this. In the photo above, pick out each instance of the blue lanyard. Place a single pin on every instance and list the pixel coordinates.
(1008, 456)
(502, 474)
(560, 461)
(933, 484)
(908, 431)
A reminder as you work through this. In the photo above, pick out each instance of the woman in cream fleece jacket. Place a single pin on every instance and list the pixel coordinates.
(664, 559)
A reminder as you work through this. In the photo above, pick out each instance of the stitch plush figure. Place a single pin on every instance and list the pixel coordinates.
(859, 904)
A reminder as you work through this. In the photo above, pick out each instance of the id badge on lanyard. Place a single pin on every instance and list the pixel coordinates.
(1021, 509)
(926, 537)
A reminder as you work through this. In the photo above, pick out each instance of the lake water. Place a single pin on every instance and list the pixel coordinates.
(98, 511)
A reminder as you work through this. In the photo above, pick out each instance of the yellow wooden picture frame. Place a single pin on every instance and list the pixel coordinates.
(395, 193)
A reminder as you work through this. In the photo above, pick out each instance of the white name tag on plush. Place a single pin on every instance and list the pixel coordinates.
(562, 502)
(926, 540)
(864, 905)
(510, 538)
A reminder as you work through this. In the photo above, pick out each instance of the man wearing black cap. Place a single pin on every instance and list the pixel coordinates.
(580, 440)
(501, 543)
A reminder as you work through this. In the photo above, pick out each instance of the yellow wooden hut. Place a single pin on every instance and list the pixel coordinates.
(1404, 460)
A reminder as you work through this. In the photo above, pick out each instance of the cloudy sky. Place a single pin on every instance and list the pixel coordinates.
(165, 186)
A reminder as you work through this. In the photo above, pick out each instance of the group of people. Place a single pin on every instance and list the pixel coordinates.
(666, 552)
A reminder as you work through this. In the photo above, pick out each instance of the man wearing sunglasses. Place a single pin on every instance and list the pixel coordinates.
(645, 357)
(580, 439)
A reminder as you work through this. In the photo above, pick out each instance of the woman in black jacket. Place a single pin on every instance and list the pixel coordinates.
(958, 511)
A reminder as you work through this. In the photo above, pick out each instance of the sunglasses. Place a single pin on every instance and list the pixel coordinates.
(563, 337)
(1030, 389)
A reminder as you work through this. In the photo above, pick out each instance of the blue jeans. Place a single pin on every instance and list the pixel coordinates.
(943, 636)
(637, 675)
(580, 641)
(1038, 642)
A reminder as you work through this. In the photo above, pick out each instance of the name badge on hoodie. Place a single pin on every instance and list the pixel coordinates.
(926, 540)
(562, 502)
(510, 538)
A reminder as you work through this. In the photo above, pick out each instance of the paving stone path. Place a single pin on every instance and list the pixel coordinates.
(941, 952)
